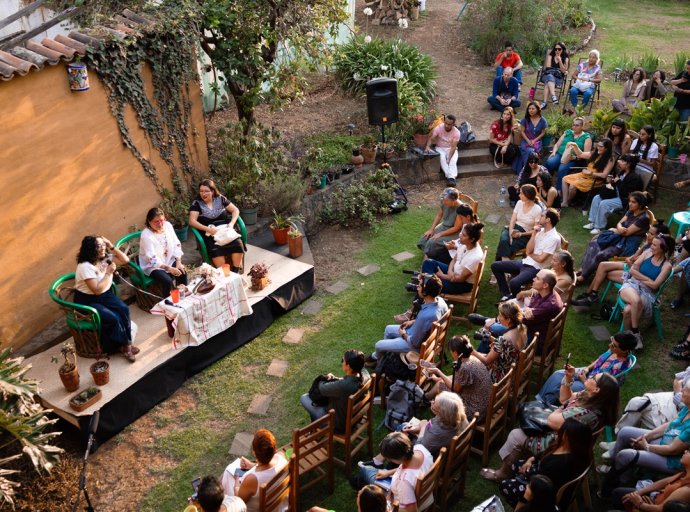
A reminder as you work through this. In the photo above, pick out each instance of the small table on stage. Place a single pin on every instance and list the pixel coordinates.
(197, 318)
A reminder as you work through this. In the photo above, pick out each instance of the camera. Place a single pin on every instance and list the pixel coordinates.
(483, 335)
(195, 486)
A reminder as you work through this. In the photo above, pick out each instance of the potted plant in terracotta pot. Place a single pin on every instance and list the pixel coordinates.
(100, 371)
(368, 149)
(68, 371)
(281, 225)
(357, 158)
(259, 276)
(295, 242)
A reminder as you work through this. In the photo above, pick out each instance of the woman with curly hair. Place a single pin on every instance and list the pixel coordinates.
(600, 162)
(97, 261)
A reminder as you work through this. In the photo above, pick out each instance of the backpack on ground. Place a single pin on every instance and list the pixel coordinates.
(467, 136)
(402, 400)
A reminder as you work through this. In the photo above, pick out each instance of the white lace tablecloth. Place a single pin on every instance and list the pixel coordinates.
(197, 318)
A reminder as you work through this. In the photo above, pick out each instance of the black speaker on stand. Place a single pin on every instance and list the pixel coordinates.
(382, 104)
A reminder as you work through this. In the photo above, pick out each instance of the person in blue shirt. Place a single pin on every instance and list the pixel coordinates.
(505, 92)
(410, 335)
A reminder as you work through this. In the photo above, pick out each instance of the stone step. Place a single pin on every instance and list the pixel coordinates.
(479, 143)
(483, 169)
(474, 156)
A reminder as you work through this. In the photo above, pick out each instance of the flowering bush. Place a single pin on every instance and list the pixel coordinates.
(421, 122)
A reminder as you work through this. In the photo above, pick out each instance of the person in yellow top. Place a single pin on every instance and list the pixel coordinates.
(600, 162)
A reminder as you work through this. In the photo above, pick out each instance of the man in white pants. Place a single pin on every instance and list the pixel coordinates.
(446, 137)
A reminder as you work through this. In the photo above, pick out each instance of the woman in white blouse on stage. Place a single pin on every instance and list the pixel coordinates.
(160, 252)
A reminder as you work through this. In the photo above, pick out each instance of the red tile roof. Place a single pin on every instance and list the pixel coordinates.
(20, 60)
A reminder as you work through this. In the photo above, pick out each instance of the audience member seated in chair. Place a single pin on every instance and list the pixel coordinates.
(445, 138)
(633, 92)
(587, 76)
(268, 463)
(525, 215)
(570, 455)
(618, 133)
(370, 498)
(505, 92)
(532, 130)
(211, 209)
(528, 176)
(555, 71)
(467, 216)
(658, 450)
(615, 361)
(96, 263)
(682, 270)
(509, 58)
(540, 496)
(680, 85)
(413, 460)
(655, 86)
(504, 350)
(502, 137)
(160, 252)
(471, 379)
(561, 159)
(623, 240)
(544, 241)
(600, 162)
(338, 390)
(563, 266)
(445, 226)
(647, 274)
(646, 148)
(614, 271)
(458, 277)
(212, 498)
(547, 194)
(410, 335)
(596, 406)
(614, 195)
(448, 421)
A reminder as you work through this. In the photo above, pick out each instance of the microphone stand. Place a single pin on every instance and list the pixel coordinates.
(93, 427)
(455, 365)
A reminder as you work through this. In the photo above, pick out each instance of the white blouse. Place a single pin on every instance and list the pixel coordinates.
(158, 249)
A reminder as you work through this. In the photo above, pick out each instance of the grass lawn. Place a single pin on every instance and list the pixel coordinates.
(199, 439)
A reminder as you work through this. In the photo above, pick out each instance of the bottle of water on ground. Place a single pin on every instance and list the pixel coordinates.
(502, 197)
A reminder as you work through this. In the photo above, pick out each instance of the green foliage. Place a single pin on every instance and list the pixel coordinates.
(357, 61)
(326, 150)
(167, 48)
(284, 195)
(661, 114)
(23, 424)
(492, 22)
(361, 202)
(247, 155)
(602, 119)
(557, 123)
(262, 48)
(176, 208)
(678, 138)
(647, 61)
(679, 62)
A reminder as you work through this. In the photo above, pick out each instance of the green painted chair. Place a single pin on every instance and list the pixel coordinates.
(656, 312)
(83, 322)
(202, 245)
(129, 244)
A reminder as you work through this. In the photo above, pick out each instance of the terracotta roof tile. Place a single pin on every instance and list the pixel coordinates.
(66, 51)
(24, 54)
(52, 56)
(80, 47)
(22, 66)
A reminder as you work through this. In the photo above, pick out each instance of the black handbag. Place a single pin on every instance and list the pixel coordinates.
(533, 418)
(317, 399)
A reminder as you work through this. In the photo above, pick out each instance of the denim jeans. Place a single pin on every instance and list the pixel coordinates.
(623, 454)
(601, 208)
(496, 105)
(430, 266)
(523, 274)
(516, 73)
(586, 95)
(391, 342)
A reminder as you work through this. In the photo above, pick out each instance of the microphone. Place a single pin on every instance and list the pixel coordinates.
(93, 424)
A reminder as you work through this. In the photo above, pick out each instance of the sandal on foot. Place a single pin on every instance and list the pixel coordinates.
(489, 474)
(129, 355)
(135, 350)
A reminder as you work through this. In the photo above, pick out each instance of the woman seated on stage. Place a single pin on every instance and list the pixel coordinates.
(160, 252)
(93, 282)
(211, 209)
(268, 463)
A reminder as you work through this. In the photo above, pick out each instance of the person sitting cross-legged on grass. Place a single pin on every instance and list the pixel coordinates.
(544, 241)
(410, 335)
(615, 360)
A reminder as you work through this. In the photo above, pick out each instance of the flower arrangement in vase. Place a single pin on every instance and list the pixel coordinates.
(259, 276)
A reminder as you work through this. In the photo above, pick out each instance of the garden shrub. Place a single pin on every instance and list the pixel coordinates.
(361, 202)
(532, 27)
(356, 62)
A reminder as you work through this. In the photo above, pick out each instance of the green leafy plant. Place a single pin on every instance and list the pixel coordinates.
(85, 395)
(361, 202)
(24, 424)
(281, 221)
(326, 150)
(176, 208)
(357, 61)
(602, 119)
(649, 62)
(678, 138)
(660, 114)
(557, 123)
(294, 232)
(679, 62)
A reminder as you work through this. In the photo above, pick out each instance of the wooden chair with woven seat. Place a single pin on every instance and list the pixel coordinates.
(427, 484)
(359, 430)
(469, 201)
(496, 415)
(469, 299)
(148, 292)
(83, 322)
(312, 449)
(442, 335)
(546, 361)
(521, 378)
(274, 493)
(452, 479)
(567, 494)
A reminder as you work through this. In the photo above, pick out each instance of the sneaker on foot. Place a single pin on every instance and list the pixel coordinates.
(370, 463)
(451, 182)
(554, 100)
(639, 345)
(543, 105)
(589, 226)
(595, 231)
(607, 455)
(607, 445)
(493, 279)
(586, 299)
(603, 469)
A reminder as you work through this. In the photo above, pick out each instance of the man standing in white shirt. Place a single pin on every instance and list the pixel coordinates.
(543, 243)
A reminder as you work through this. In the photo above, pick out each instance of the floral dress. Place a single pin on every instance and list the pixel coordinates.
(507, 355)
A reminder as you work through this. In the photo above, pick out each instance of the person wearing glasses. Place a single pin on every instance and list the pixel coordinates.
(561, 159)
(160, 252)
(587, 76)
(600, 162)
(615, 361)
(555, 71)
(97, 261)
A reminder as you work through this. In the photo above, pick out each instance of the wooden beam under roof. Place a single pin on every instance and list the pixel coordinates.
(21, 13)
